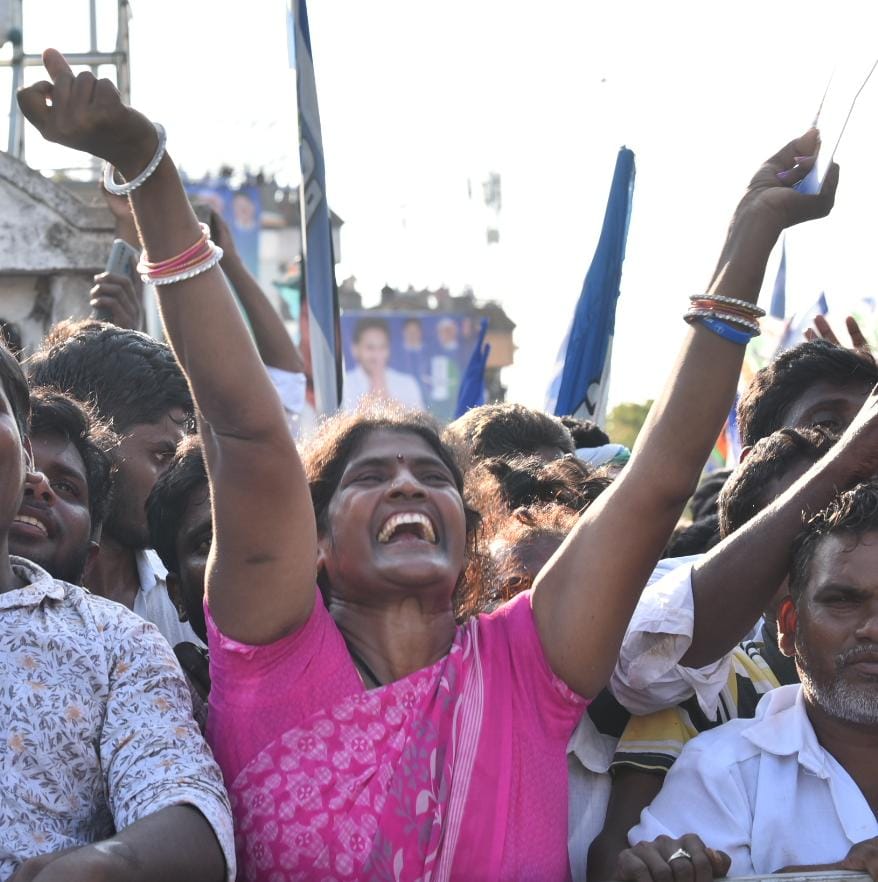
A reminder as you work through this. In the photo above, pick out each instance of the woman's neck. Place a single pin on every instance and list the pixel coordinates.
(395, 639)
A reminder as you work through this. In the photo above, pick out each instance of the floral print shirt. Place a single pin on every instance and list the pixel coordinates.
(96, 727)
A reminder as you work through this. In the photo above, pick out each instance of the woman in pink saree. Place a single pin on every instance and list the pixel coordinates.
(370, 736)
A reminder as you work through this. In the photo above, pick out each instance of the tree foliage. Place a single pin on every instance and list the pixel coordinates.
(625, 420)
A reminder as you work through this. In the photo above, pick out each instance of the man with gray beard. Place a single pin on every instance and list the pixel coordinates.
(796, 788)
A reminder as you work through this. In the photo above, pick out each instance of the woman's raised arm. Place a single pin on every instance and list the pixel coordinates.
(262, 568)
(584, 597)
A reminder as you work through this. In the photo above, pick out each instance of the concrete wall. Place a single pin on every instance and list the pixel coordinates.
(51, 245)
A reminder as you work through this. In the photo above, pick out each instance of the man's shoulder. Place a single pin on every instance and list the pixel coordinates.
(722, 747)
(112, 620)
(775, 729)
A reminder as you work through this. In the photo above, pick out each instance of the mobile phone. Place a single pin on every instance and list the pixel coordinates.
(122, 261)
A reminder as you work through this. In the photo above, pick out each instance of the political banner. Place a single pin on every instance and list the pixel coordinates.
(240, 208)
(417, 359)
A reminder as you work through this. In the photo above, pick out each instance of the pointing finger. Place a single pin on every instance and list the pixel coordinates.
(56, 65)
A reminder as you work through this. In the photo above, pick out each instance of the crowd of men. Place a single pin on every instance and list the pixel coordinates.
(737, 734)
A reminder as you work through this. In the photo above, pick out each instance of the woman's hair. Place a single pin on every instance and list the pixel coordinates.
(497, 486)
(339, 437)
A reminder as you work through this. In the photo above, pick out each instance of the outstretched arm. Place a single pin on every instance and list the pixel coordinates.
(584, 597)
(262, 568)
(734, 583)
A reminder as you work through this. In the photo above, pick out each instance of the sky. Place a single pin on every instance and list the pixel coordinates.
(420, 101)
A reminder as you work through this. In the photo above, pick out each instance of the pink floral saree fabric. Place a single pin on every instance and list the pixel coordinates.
(455, 772)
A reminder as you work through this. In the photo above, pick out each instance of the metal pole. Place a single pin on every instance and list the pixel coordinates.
(15, 146)
(123, 65)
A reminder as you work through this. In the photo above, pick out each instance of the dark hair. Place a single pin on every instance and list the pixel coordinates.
(585, 433)
(763, 406)
(695, 538)
(498, 486)
(854, 512)
(743, 496)
(704, 500)
(370, 323)
(10, 337)
(128, 377)
(16, 389)
(54, 413)
(485, 585)
(168, 499)
(505, 430)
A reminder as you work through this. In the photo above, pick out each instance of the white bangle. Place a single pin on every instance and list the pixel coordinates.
(124, 189)
(210, 263)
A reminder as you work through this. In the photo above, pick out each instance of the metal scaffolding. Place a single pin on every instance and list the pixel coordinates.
(13, 12)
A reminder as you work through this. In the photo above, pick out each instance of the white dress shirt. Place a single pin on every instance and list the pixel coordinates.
(764, 791)
(96, 728)
(153, 603)
(401, 388)
(589, 754)
(648, 676)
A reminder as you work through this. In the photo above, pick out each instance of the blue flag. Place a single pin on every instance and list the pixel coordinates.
(584, 378)
(472, 384)
(318, 267)
(778, 308)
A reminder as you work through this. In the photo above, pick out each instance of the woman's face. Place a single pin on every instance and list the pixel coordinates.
(396, 523)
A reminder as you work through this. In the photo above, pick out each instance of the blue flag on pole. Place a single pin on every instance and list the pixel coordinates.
(778, 308)
(584, 379)
(472, 384)
(318, 267)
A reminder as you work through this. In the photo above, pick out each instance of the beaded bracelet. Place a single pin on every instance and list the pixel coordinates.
(110, 184)
(750, 308)
(727, 332)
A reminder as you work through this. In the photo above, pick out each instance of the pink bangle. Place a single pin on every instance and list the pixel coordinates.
(203, 253)
(213, 258)
(172, 263)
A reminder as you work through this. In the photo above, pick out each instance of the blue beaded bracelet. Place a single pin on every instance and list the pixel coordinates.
(726, 331)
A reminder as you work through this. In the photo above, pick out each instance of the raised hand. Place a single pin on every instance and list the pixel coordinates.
(771, 188)
(222, 235)
(822, 330)
(85, 113)
(115, 299)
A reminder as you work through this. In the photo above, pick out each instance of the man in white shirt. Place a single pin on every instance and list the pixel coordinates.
(373, 378)
(796, 788)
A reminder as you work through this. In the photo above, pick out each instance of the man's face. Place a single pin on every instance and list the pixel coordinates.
(193, 546)
(827, 404)
(53, 525)
(144, 453)
(412, 336)
(372, 350)
(836, 633)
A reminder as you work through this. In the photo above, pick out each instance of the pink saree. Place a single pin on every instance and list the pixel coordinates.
(455, 772)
